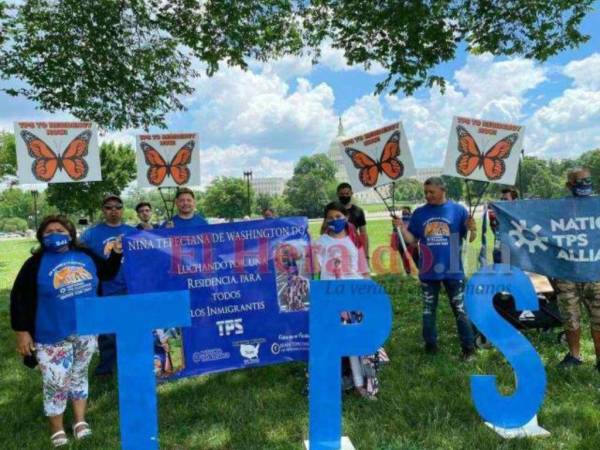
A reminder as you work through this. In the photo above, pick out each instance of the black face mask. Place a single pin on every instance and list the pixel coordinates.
(344, 200)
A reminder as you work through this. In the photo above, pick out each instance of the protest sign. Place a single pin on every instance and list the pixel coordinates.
(168, 160)
(484, 150)
(57, 152)
(378, 157)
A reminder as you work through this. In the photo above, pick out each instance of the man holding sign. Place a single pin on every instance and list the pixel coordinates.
(440, 227)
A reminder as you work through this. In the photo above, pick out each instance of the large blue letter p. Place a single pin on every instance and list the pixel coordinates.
(330, 339)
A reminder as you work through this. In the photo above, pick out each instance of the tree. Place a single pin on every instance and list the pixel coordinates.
(126, 64)
(454, 187)
(8, 154)
(118, 170)
(312, 186)
(409, 190)
(227, 197)
(591, 160)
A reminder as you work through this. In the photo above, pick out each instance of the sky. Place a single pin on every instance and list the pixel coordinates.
(269, 116)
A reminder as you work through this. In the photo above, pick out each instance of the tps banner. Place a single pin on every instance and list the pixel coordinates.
(248, 283)
(556, 238)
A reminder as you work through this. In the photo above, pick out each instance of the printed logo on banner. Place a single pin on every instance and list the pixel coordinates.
(249, 351)
(558, 238)
(483, 150)
(53, 152)
(168, 160)
(377, 157)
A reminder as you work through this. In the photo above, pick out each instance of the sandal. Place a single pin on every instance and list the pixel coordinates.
(59, 438)
(81, 430)
(362, 392)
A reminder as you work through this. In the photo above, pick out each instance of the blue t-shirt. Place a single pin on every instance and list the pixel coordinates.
(440, 230)
(195, 221)
(61, 279)
(100, 239)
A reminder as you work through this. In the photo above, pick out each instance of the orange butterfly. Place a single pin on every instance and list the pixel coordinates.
(46, 161)
(177, 169)
(471, 157)
(388, 164)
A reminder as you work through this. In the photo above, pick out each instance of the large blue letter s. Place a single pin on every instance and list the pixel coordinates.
(515, 410)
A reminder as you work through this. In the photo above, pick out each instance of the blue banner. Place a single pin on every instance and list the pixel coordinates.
(556, 238)
(248, 283)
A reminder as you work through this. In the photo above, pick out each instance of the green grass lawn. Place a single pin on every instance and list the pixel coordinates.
(424, 401)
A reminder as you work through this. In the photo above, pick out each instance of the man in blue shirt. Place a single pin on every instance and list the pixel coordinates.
(101, 239)
(186, 216)
(440, 227)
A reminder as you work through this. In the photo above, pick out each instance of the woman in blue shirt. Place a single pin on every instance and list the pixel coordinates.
(43, 317)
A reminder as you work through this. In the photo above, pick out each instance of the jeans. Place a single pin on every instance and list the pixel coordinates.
(430, 295)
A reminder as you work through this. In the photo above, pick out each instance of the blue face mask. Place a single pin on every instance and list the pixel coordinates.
(583, 188)
(54, 242)
(337, 225)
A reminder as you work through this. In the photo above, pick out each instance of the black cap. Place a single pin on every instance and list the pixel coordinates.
(111, 197)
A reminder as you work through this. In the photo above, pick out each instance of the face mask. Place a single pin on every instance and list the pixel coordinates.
(55, 241)
(345, 199)
(337, 225)
(582, 188)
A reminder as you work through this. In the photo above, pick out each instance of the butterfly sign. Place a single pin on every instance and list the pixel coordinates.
(378, 157)
(168, 160)
(57, 152)
(484, 150)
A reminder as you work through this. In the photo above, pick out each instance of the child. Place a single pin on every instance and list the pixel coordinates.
(340, 255)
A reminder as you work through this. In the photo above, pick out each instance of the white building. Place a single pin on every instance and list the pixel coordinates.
(427, 172)
(341, 175)
(270, 186)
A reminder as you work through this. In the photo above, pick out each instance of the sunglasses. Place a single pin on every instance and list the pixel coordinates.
(584, 180)
(113, 208)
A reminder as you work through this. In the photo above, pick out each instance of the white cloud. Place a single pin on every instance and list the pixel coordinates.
(570, 123)
(334, 59)
(585, 72)
(483, 88)
(234, 160)
(237, 106)
(365, 114)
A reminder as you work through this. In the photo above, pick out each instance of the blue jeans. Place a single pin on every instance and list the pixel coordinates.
(430, 294)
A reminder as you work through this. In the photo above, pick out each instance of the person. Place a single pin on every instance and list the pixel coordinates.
(507, 194)
(185, 202)
(268, 213)
(571, 295)
(339, 255)
(356, 216)
(42, 313)
(144, 213)
(440, 226)
(101, 238)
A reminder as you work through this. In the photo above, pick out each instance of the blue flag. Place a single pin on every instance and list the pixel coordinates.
(248, 284)
(556, 238)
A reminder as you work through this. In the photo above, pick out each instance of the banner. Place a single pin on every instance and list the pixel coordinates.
(484, 150)
(168, 160)
(249, 292)
(377, 157)
(57, 152)
(556, 238)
